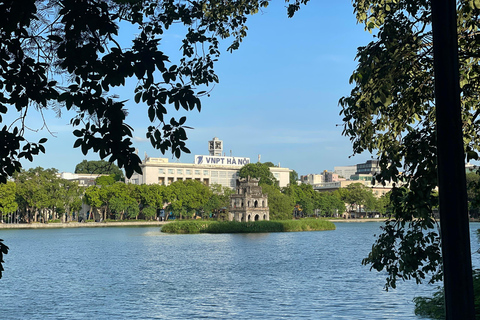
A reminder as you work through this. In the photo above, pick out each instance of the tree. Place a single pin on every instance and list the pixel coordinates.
(304, 196)
(391, 112)
(356, 195)
(69, 198)
(473, 195)
(329, 204)
(100, 167)
(104, 181)
(78, 40)
(293, 177)
(189, 196)
(93, 199)
(219, 200)
(38, 193)
(280, 205)
(7, 198)
(260, 171)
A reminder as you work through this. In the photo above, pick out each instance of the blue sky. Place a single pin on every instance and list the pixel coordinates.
(277, 97)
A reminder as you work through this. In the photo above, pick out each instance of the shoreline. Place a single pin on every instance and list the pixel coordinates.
(62, 225)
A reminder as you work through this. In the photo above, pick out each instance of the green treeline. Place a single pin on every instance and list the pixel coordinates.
(40, 195)
(195, 226)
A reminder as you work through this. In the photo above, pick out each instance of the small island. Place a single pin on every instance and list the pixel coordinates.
(209, 226)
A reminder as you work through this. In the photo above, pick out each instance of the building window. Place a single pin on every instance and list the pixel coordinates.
(161, 171)
(179, 171)
(171, 171)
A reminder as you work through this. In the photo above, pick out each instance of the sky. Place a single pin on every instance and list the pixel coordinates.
(277, 96)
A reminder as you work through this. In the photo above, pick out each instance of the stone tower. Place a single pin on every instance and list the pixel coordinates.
(248, 203)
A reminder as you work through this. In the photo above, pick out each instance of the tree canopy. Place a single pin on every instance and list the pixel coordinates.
(100, 167)
(260, 171)
(66, 55)
(390, 112)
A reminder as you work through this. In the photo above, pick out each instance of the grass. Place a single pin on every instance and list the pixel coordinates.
(202, 226)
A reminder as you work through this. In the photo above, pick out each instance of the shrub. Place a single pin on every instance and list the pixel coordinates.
(203, 226)
(434, 307)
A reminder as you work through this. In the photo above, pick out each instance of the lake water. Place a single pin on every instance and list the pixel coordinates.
(140, 273)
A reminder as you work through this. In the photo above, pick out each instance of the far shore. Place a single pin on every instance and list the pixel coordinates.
(37, 225)
(58, 225)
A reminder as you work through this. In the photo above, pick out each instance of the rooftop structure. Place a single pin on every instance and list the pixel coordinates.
(208, 169)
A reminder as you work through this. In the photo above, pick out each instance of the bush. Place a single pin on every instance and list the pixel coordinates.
(434, 307)
(203, 226)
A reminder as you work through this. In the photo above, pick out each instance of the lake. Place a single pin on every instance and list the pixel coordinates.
(141, 273)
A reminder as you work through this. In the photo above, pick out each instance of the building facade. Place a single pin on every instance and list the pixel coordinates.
(83, 179)
(345, 171)
(208, 169)
(369, 167)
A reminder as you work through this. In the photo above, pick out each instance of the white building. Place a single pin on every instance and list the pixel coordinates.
(312, 179)
(83, 179)
(208, 169)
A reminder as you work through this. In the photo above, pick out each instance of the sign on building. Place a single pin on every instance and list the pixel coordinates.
(222, 161)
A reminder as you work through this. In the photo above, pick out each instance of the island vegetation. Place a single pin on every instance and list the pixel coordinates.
(247, 227)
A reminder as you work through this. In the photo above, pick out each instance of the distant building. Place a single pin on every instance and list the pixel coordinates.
(248, 203)
(83, 179)
(312, 179)
(369, 167)
(331, 176)
(208, 169)
(325, 176)
(345, 171)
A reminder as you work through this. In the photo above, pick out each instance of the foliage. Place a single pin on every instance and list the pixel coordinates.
(356, 194)
(247, 227)
(434, 307)
(100, 167)
(187, 197)
(105, 180)
(7, 198)
(41, 193)
(390, 112)
(293, 177)
(3, 250)
(473, 194)
(218, 201)
(66, 54)
(280, 204)
(259, 171)
(329, 204)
